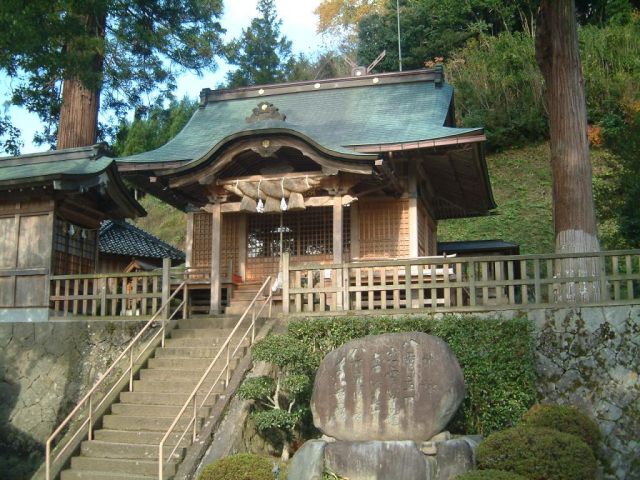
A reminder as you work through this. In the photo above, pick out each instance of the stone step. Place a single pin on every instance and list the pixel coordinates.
(151, 424)
(101, 449)
(171, 363)
(157, 398)
(114, 465)
(203, 342)
(139, 437)
(136, 410)
(221, 333)
(199, 352)
(165, 374)
(91, 475)
(172, 386)
(208, 322)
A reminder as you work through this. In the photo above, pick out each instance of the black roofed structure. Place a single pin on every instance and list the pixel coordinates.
(120, 243)
(326, 171)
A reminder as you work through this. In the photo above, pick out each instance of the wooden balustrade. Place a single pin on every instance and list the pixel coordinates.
(136, 294)
(449, 284)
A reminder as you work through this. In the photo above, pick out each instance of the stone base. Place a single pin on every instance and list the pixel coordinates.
(439, 459)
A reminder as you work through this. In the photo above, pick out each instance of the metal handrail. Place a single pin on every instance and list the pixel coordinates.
(88, 398)
(192, 400)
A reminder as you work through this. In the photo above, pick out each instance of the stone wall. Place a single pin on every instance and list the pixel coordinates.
(45, 368)
(590, 357)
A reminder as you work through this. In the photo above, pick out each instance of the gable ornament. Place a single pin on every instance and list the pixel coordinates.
(265, 111)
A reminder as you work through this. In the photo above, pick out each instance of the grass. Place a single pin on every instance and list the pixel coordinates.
(521, 180)
(164, 221)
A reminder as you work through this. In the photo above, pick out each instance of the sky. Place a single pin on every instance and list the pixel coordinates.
(299, 24)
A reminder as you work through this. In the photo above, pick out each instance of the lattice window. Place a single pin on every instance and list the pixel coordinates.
(229, 245)
(74, 248)
(304, 233)
(201, 248)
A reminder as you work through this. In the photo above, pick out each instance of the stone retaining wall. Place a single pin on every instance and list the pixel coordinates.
(590, 357)
(45, 368)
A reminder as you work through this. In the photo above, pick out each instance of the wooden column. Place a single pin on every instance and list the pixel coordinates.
(413, 211)
(189, 241)
(242, 246)
(337, 245)
(337, 228)
(216, 219)
(355, 231)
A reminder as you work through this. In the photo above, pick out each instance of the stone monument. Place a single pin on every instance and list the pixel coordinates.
(382, 402)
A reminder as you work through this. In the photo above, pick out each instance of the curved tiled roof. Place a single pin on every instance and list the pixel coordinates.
(123, 238)
(337, 115)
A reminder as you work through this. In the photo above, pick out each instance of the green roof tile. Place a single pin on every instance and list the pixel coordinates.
(333, 116)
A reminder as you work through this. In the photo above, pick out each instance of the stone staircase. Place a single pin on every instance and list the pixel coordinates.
(126, 445)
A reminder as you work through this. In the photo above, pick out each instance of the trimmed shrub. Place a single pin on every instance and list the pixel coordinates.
(244, 466)
(567, 419)
(495, 355)
(538, 454)
(490, 475)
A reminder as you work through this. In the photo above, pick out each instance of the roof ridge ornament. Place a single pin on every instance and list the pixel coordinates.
(265, 111)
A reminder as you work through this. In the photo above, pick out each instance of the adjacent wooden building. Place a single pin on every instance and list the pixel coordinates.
(51, 206)
(330, 171)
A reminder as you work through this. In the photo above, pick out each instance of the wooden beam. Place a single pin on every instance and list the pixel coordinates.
(216, 219)
(322, 201)
(389, 176)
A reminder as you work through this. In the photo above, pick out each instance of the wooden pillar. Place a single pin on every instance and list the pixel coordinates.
(355, 231)
(337, 228)
(189, 240)
(166, 285)
(337, 246)
(216, 219)
(242, 246)
(413, 211)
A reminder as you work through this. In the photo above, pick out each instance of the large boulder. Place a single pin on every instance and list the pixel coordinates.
(397, 386)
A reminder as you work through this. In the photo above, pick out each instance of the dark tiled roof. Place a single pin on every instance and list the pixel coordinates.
(123, 238)
(336, 114)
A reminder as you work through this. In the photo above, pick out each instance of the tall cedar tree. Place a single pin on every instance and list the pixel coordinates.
(559, 60)
(261, 54)
(67, 58)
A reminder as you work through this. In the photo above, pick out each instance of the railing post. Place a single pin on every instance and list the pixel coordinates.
(346, 282)
(131, 369)
(226, 384)
(47, 459)
(472, 283)
(103, 297)
(166, 286)
(90, 418)
(604, 297)
(285, 283)
(253, 326)
(195, 418)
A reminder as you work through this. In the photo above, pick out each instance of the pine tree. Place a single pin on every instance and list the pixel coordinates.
(261, 53)
(68, 58)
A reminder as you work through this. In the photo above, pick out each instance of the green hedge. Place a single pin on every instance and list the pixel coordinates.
(496, 356)
(243, 466)
(538, 454)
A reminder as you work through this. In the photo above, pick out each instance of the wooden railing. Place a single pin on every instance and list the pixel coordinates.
(80, 422)
(110, 294)
(448, 284)
(186, 422)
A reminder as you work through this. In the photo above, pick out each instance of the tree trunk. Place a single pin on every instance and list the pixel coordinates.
(573, 208)
(78, 126)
